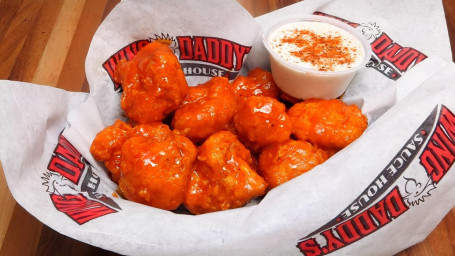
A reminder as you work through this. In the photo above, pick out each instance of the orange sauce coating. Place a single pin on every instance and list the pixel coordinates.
(107, 146)
(223, 176)
(258, 83)
(281, 162)
(153, 83)
(261, 121)
(330, 124)
(152, 163)
(208, 108)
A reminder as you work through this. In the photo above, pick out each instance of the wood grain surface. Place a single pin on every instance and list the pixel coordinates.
(45, 42)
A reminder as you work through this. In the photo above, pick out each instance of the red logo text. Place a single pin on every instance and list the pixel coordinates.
(439, 154)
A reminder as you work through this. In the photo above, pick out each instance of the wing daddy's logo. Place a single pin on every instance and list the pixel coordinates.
(388, 57)
(72, 185)
(198, 55)
(391, 194)
(127, 53)
(439, 153)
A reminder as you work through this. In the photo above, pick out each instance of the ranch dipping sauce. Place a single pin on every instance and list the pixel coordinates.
(316, 45)
(314, 56)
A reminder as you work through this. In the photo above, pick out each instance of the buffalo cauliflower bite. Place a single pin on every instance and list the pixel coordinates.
(281, 162)
(208, 108)
(260, 121)
(155, 168)
(150, 163)
(223, 177)
(330, 124)
(153, 83)
(258, 83)
(107, 146)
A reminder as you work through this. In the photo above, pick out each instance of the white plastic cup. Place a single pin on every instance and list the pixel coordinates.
(305, 83)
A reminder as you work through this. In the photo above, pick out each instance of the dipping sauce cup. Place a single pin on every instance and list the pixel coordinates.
(314, 56)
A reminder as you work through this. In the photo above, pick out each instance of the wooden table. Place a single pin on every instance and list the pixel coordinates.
(45, 42)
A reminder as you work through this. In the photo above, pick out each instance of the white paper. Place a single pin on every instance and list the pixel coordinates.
(72, 193)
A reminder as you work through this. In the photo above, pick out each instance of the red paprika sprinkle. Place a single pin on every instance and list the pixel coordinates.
(322, 51)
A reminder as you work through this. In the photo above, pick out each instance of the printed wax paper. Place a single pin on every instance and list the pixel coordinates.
(390, 187)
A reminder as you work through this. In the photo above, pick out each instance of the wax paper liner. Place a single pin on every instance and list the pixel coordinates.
(390, 187)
